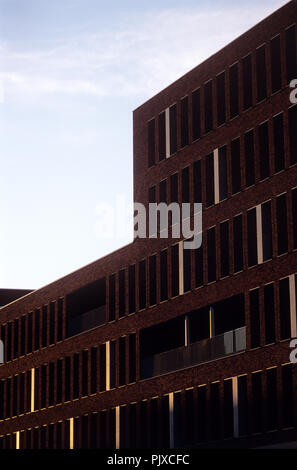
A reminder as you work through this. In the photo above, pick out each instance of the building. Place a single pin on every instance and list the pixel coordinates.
(157, 346)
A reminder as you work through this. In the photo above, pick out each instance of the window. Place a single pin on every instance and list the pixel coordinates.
(263, 138)
(208, 115)
(163, 276)
(198, 253)
(59, 380)
(237, 244)
(266, 231)
(252, 237)
(43, 385)
(197, 181)
(278, 139)
(76, 375)
(67, 377)
(233, 90)
(132, 358)
(94, 353)
(287, 396)
(132, 288)
(202, 414)
(257, 401)
(102, 369)
(16, 339)
(293, 134)
(153, 282)
(184, 122)
(291, 68)
(228, 408)
(112, 282)
(51, 381)
(276, 70)
(44, 326)
(173, 130)
(142, 284)
(185, 185)
(162, 137)
(23, 335)
(29, 334)
(112, 364)
(85, 375)
(151, 143)
(187, 269)
(214, 411)
(284, 308)
(210, 180)
(174, 188)
(294, 217)
(122, 291)
(60, 319)
(247, 82)
(242, 405)
(223, 184)
(174, 271)
(235, 164)
(272, 401)
(282, 230)
(37, 330)
(269, 311)
(196, 120)
(221, 100)
(52, 322)
(224, 236)
(152, 194)
(249, 158)
(261, 73)
(254, 318)
(211, 254)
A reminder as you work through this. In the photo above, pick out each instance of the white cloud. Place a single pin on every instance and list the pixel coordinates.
(134, 61)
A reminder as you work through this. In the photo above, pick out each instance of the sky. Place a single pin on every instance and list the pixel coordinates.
(71, 74)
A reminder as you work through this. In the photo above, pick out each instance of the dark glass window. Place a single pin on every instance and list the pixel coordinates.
(228, 408)
(60, 320)
(162, 137)
(211, 254)
(224, 235)
(132, 358)
(269, 310)
(52, 322)
(235, 164)
(221, 99)
(257, 401)
(59, 380)
(132, 288)
(153, 282)
(173, 129)
(294, 217)
(51, 381)
(293, 134)
(198, 253)
(284, 308)
(266, 231)
(163, 275)
(202, 414)
(196, 120)
(237, 244)
(291, 68)
(23, 336)
(197, 181)
(76, 375)
(94, 371)
(174, 188)
(122, 292)
(276, 70)
(37, 330)
(263, 137)
(151, 143)
(16, 339)
(214, 411)
(142, 284)
(112, 366)
(187, 269)
(249, 149)
(43, 385)
(85, 374)
(102, 371)
(261, 73)
(282, 228)
(223, 185)
(210, 180)
(252, 237)
(242, 405)
(287, 396)
(186, 185)
(247, 82)
(233, 90)
(67, 377)
(174, 270)
(29, 333)
(184, 122)
(122, 359)
(208, 113)
(44, 326)
(112, 283)
(278, 139)
(255, 318)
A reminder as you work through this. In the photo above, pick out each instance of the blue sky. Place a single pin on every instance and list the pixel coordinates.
(71, 73)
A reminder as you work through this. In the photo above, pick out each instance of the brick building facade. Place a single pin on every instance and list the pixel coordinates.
(158, 346)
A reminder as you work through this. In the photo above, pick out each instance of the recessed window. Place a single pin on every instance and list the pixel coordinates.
(196, 119)
(224, 242)
(236, 166)
(263, 138)
(261, 73)
(282, 228)
(208, 105)
(276, 69)
(233, 90)
(237, 243)
(279, 146)
(211, 254)
(293, 134)
(247, 82)
(255, 318)
(249, 148)
(291, 68)
(151, 143)
(221, 99)
(269, 312)
(184, 122)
